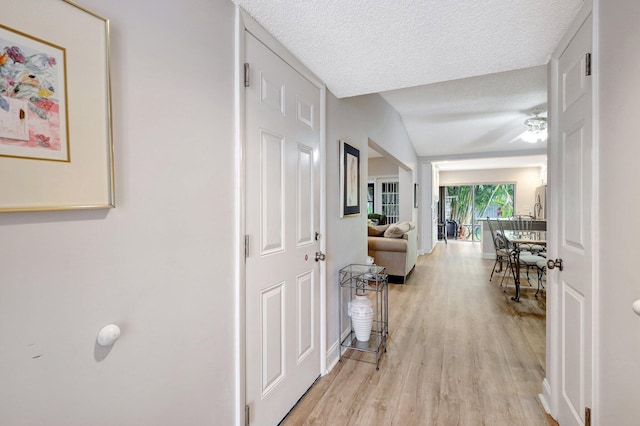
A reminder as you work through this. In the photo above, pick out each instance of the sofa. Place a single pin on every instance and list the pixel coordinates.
(377, 218)
(395, 247)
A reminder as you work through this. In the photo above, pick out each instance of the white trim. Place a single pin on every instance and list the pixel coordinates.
(239, 227)
(333, 356)
(545, 396)
(323, 229)
(245, 23)
(477, 155)
(595, 250)
(553, 327)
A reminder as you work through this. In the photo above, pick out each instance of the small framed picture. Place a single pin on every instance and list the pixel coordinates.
(349, 180)
(415, 195)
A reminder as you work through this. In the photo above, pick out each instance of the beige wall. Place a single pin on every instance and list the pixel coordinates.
(617, 326)
(358, 120)
(160, 264)
(380, 166)
(526, 180)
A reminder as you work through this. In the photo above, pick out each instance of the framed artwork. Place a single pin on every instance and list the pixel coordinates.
(56, 149)
(349, 180)
(415, 195)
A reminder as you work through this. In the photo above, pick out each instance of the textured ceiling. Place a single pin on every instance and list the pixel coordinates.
(359, 47)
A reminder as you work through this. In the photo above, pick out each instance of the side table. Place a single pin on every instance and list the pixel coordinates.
(371, 280)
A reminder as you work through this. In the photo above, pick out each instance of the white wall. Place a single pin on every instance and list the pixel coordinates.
(526, 180)
(428, 219)
(384, 168)
(356, 119)
(619, 328)
(405, 185)
(160, 264)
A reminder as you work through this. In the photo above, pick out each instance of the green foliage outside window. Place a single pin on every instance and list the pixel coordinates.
(467, 203)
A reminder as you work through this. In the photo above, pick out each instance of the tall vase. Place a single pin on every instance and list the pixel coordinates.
(361, 313)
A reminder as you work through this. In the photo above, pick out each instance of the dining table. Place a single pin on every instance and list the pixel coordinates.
(518, 239)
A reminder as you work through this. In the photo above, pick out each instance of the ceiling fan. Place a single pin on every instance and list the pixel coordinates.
(536, 128)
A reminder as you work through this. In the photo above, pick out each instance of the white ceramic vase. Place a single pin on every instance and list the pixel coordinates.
(361, 313)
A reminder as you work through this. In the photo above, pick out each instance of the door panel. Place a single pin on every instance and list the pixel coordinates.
(304, 205)
(272, 194)
(271, 93)
(574, 84)
(575, 186)
(572, 202)
(282, 201)
(306, 332)
(573, 379)
(305, 113)
(273, 337)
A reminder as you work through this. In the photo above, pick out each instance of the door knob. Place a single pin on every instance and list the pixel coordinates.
(320, 256)
(554, 264)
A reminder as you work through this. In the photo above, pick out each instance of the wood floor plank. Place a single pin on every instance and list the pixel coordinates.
(460, 352)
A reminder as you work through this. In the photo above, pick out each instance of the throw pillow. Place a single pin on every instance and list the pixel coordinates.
(408, 223)
(397, 230)
(377, 230)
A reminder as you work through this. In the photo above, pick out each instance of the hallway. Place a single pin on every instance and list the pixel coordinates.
(460, 353)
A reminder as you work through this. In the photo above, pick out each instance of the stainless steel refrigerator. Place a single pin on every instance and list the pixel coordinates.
(540, 205)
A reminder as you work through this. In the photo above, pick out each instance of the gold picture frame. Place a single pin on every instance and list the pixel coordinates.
(56, 147)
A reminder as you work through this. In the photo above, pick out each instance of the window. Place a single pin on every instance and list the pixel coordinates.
(465, 204)
(390, 201)
(371, 190)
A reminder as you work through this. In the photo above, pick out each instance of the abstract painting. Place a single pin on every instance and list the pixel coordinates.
(33, 103)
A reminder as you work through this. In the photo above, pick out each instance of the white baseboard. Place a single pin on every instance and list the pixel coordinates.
(332, 356)
(486, 255)
(545, 396)
(423, 252)
(333, 353)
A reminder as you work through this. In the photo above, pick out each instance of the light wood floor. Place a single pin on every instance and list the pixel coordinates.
(460, 353)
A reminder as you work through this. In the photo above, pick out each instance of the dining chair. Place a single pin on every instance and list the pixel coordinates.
(542, 270)
(503, 243)
(525, 223)
(502, 254)
(526, 258)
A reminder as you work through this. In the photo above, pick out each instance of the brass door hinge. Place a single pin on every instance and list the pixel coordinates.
(587, 416)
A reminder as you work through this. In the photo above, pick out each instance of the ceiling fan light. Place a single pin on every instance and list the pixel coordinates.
(536, 129)
(536, 123)
(535, 136)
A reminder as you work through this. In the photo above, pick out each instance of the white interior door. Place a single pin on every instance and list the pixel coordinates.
(282, 218)
(575, 206)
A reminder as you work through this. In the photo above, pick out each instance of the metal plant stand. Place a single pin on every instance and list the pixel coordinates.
(372, 280)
